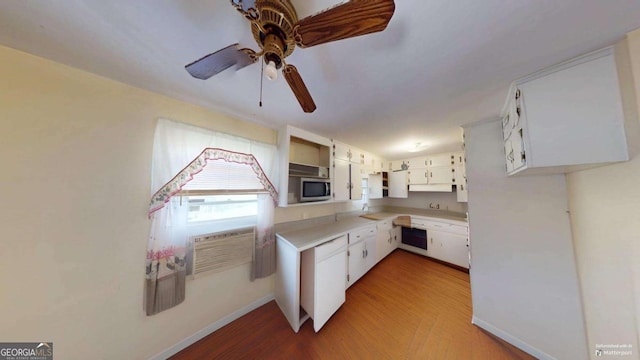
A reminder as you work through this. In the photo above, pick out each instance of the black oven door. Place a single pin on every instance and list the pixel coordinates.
(414, 237)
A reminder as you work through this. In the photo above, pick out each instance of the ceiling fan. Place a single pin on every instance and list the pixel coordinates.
(277, 30)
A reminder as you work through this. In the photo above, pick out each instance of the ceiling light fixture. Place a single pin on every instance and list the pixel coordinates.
(271, 72)
(418, 146)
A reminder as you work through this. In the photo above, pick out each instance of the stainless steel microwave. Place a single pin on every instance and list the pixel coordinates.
(315, 189)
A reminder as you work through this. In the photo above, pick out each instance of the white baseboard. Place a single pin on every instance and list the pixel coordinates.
(511, 339)
(211, 328)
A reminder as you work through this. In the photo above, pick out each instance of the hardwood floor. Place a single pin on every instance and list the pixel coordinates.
(406, 307)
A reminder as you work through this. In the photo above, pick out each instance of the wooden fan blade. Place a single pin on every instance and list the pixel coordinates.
(354, 18)
(299, 88)
(221, 60)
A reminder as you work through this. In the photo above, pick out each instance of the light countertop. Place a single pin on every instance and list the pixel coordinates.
(317, 234)
(303, 238)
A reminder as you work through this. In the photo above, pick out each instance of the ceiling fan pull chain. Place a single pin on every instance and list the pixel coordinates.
(261, 77)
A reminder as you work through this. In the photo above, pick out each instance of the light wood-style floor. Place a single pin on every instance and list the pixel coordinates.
(406, 307)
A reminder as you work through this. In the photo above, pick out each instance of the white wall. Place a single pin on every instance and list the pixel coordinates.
(523, 275)
(75, 151)
(605, 214)
(421, 200)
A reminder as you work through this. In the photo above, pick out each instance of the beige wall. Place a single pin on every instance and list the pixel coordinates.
(75, 151)
(605, 215)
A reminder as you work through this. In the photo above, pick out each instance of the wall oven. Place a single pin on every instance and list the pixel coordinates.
(315, 189)
(414, 237)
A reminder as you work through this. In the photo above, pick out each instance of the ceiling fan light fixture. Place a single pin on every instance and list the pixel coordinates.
(418, 146)
(271, 72)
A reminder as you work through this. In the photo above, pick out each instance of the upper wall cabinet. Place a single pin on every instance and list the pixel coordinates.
(302, 155)
(346, 152)
(565, 118)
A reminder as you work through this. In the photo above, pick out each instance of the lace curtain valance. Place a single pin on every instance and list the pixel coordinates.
(199, 164)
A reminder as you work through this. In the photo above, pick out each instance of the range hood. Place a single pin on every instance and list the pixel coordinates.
(432, 188)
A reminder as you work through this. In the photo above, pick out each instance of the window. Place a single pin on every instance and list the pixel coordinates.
(221, 207)
(365, 191)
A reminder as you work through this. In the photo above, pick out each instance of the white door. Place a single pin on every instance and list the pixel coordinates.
(455, 249)
(418, 163)
(398, 184)
(441, 175)
(375, 186)
(517, 140)
(383, 243)
(329, 288)
(341, 186)
(356, 259)
(370, 250)
(434, 244)
(341, 151)
(357, 156)
(356, 181)
(396, 237)
(445, 159)
(418, 176)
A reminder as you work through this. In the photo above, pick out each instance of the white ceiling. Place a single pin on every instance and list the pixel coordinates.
(439, 63)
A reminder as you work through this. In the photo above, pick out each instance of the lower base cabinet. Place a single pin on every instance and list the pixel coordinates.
(448, 247)
(322, 275)
(361, 255)
(387, 238)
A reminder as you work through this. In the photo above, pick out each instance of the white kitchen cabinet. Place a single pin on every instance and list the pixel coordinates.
(300, 154)
(382, 165)
(444, 159)
(356, 181)
(341, 186)
(448, 247)
(347, 180)
(322, 273)
(398, 184)
(418, 176)
(441, 175)
(462, 192)
(368, 166)
(396, 237)
(356, 260)
(341, 151)
(361, 255)
(387, 238)
(420, 162)
(358, 156)
(565, 118)
(347, 152)
(375, 186)
(383, 239)
(445, 241)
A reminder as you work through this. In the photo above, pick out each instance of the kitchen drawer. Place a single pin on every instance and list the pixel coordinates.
(455, 229)
(362, 233)
(419, 223)
(330, 247)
